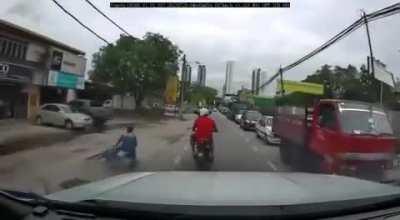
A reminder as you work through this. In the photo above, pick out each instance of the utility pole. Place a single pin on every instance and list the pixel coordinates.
(371, 59)
(281, 81)
(183, 76)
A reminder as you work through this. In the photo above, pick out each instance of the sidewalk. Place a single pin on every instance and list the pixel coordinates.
(18, 134)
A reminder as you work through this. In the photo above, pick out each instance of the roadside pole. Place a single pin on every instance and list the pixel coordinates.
(372, 55)
(182, 90)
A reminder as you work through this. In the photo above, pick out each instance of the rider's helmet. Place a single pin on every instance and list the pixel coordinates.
(203, 112)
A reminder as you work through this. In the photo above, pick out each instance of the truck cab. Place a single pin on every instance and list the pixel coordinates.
(339, 136)
(352, 137)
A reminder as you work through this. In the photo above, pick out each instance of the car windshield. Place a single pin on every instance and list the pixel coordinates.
(66, 109)
(364, 120)
(298, 94)
(252, 115)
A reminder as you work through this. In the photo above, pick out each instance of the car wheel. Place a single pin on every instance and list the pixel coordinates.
(69, 125)
(39, 120)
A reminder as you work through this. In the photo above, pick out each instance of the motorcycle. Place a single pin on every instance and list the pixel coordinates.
(203, 153)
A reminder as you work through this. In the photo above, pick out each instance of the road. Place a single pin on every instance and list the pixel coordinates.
(163, 146)
(237, 150)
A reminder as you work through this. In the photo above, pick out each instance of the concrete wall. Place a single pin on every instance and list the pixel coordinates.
(124, 102)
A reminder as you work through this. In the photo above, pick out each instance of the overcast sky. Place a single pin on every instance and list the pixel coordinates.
(264, 38)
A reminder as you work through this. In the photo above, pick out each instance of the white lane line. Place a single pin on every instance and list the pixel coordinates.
(177, 160)
(255, 148)
(272, 165)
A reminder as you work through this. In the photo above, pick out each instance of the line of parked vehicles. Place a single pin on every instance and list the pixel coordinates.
(79, 113)
(252, 120)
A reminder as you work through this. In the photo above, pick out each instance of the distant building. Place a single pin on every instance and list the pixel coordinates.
(188, 74)
(263, 79)
(255, 81)
(35, 69)
(229, 77)
(201, 75)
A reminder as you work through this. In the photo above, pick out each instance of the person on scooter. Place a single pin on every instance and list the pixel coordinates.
(125, 146)
(203, 129)
(127, 143)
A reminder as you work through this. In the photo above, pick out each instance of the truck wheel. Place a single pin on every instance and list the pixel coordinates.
(285, 153)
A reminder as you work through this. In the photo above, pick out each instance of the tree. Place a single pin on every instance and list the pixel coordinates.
(202, 94)
(350, 83)
(135, 66)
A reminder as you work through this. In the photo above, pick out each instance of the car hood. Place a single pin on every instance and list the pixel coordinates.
(226, 189)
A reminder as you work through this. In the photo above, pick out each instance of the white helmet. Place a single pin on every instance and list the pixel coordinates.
(203, 111)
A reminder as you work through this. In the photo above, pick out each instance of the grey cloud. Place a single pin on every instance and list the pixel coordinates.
(264, 38)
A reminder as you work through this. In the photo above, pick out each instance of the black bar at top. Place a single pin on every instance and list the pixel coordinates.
(200, 4)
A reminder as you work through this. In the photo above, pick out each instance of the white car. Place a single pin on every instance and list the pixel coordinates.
(62, 115)
(264, 130)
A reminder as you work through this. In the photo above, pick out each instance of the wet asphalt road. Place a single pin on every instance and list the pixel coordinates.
(235, 150)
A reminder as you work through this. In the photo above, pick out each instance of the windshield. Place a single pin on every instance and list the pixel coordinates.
(67, 109)
(95, 89)
(360, 121)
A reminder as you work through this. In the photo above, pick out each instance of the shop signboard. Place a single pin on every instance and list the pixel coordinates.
(15, 72)
(65, 80)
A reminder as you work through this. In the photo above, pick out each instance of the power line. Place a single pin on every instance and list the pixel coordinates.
(385, 12)
(108, 18)
(77, 20)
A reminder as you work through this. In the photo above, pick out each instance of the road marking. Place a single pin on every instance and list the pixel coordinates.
(247, 140)
(272, 165)
(177, 160)
(255, 148)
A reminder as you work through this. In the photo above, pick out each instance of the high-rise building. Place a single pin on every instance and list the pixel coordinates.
(229, 77)
(201, 75)
(255, 81)
(188, 74)
(263, 79)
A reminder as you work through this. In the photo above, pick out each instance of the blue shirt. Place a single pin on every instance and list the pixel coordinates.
(128, 143)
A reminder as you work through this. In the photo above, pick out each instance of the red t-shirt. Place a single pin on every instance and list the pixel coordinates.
(204, 127)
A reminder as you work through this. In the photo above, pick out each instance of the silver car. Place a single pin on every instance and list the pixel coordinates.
(62, 115)
(264, 130)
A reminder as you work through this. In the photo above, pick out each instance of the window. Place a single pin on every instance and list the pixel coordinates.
(51, 108)
(327, 117)
(12, 48)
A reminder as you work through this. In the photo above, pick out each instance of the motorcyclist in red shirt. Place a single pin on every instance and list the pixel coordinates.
(203, 129)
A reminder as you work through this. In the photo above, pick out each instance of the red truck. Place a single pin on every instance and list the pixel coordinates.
(336, 136)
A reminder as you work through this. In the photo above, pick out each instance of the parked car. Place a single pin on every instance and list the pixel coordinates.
(96, 110)
(62, 115)
(249, 119)
(238, 116)
(236, 108)
(264, 130)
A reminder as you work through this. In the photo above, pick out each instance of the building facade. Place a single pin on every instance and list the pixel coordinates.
(188, 74)
(255, 81)
(35, 69)
(201, 75)
(229, 78)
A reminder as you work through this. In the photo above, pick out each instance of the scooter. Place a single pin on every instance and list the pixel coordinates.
(203, 153)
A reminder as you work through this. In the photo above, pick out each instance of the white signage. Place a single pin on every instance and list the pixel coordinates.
(72, 63)
(382, 74)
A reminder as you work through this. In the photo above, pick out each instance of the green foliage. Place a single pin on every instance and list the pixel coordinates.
(203, 94)
(137, 66)
(350, 83)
